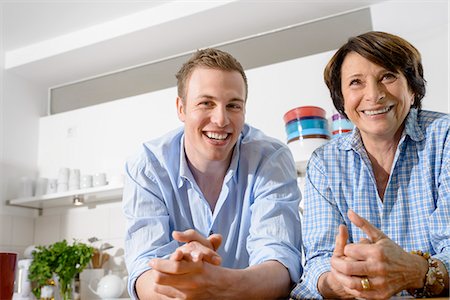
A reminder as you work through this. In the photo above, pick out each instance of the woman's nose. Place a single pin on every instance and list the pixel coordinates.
(375, 92)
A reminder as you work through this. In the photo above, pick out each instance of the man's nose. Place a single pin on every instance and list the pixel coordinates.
(220, 116)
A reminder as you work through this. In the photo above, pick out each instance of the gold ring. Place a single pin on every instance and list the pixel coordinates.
(365, 283)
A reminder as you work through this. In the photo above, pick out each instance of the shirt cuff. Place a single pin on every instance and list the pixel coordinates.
(444, 257)
(291, 259)
(307, 286)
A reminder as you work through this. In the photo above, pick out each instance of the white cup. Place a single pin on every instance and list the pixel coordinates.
(63, 175)
(41, 186)
(26, 187)
(52, 186)
(116, 179)
(99, 179)
(74, 179)
(86, 181)
(62, 187)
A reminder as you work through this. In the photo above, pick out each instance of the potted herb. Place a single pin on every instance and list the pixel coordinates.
(61, 259)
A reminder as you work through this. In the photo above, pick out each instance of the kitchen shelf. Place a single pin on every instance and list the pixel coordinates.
(89, 197)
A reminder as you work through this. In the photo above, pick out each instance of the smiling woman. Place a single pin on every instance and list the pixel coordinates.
(383, 189)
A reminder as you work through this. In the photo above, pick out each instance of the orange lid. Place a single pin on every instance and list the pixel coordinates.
(303, 111)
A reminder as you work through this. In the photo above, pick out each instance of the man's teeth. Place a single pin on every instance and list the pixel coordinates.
(377, 112)
(216, 136)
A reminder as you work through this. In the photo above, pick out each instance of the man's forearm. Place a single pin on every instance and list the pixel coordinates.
(269, 280)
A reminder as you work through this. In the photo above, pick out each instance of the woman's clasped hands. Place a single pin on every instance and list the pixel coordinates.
(374, 268)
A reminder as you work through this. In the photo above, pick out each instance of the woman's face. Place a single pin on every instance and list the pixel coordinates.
(376, 100)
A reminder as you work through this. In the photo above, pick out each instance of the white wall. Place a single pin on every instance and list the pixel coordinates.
(99, 138)
(21, 108)
(426, 26)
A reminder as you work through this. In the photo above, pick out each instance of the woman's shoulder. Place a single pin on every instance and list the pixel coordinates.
(434, 122)
(433, 117)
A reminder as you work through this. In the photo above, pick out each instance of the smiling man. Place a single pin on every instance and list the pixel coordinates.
(212, 207)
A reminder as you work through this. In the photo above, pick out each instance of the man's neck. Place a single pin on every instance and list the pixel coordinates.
(209, 177)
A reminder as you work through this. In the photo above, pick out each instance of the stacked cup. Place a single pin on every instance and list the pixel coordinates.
(63, 180)
(306, 129)
(340, 124)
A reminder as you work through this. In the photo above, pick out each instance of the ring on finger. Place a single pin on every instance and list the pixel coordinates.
(365, 283)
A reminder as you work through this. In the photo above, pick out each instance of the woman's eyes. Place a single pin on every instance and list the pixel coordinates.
(355, 82)
(389, 76)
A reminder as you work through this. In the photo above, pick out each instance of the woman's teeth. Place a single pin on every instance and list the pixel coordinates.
(217, 136)
(377, 112)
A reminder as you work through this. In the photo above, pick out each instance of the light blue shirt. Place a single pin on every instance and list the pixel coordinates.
(256, 212)
(415, 211)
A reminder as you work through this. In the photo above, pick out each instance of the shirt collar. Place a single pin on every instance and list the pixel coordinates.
(412, 129)
(185, 172)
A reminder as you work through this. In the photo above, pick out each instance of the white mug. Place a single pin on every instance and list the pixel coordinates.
(62, 187)
(86, 181)
(26, 187)
(99, 179)
(74, 179)
(41, 186)
(52, 186)
(63, 175)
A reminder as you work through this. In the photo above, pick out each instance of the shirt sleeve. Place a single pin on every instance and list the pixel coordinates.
(321, 220)
(440, 218)
(148, 232)
(275, 232)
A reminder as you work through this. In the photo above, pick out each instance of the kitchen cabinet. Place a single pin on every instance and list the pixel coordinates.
(77, 198)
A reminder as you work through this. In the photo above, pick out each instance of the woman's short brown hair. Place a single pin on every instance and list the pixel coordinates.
(387, 50)
(208, 58)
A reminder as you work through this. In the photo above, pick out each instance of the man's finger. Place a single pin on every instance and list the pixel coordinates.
(174, 267)
(215, 240)
(177, 255)
(372, 232)
(191, 235)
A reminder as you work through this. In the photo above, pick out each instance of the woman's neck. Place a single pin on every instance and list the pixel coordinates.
(381, 153)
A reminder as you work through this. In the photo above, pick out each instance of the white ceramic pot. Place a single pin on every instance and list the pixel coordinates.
(109, 286)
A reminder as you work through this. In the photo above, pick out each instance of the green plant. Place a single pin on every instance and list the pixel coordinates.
(61, 259)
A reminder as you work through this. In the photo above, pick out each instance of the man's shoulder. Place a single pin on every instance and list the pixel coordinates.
(157, 149)
(254, 138)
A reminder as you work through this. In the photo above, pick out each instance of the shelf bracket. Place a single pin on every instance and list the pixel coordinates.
(39, 209)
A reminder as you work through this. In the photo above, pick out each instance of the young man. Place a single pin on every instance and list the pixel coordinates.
(212, 207)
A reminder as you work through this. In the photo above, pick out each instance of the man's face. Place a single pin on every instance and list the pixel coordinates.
(213, 113)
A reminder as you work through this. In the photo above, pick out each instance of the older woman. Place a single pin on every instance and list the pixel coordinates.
(377, 200)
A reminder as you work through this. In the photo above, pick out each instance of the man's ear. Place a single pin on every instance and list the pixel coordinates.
(180, 109)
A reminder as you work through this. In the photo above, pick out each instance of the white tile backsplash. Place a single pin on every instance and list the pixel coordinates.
(47, 230)
(117, 224)
(83, 224)
(5, 230)
(22, 231)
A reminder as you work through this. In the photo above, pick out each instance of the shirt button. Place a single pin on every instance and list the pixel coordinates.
(211, 232)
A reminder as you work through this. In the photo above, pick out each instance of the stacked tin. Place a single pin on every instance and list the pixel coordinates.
(306, 128)
(340, 124)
